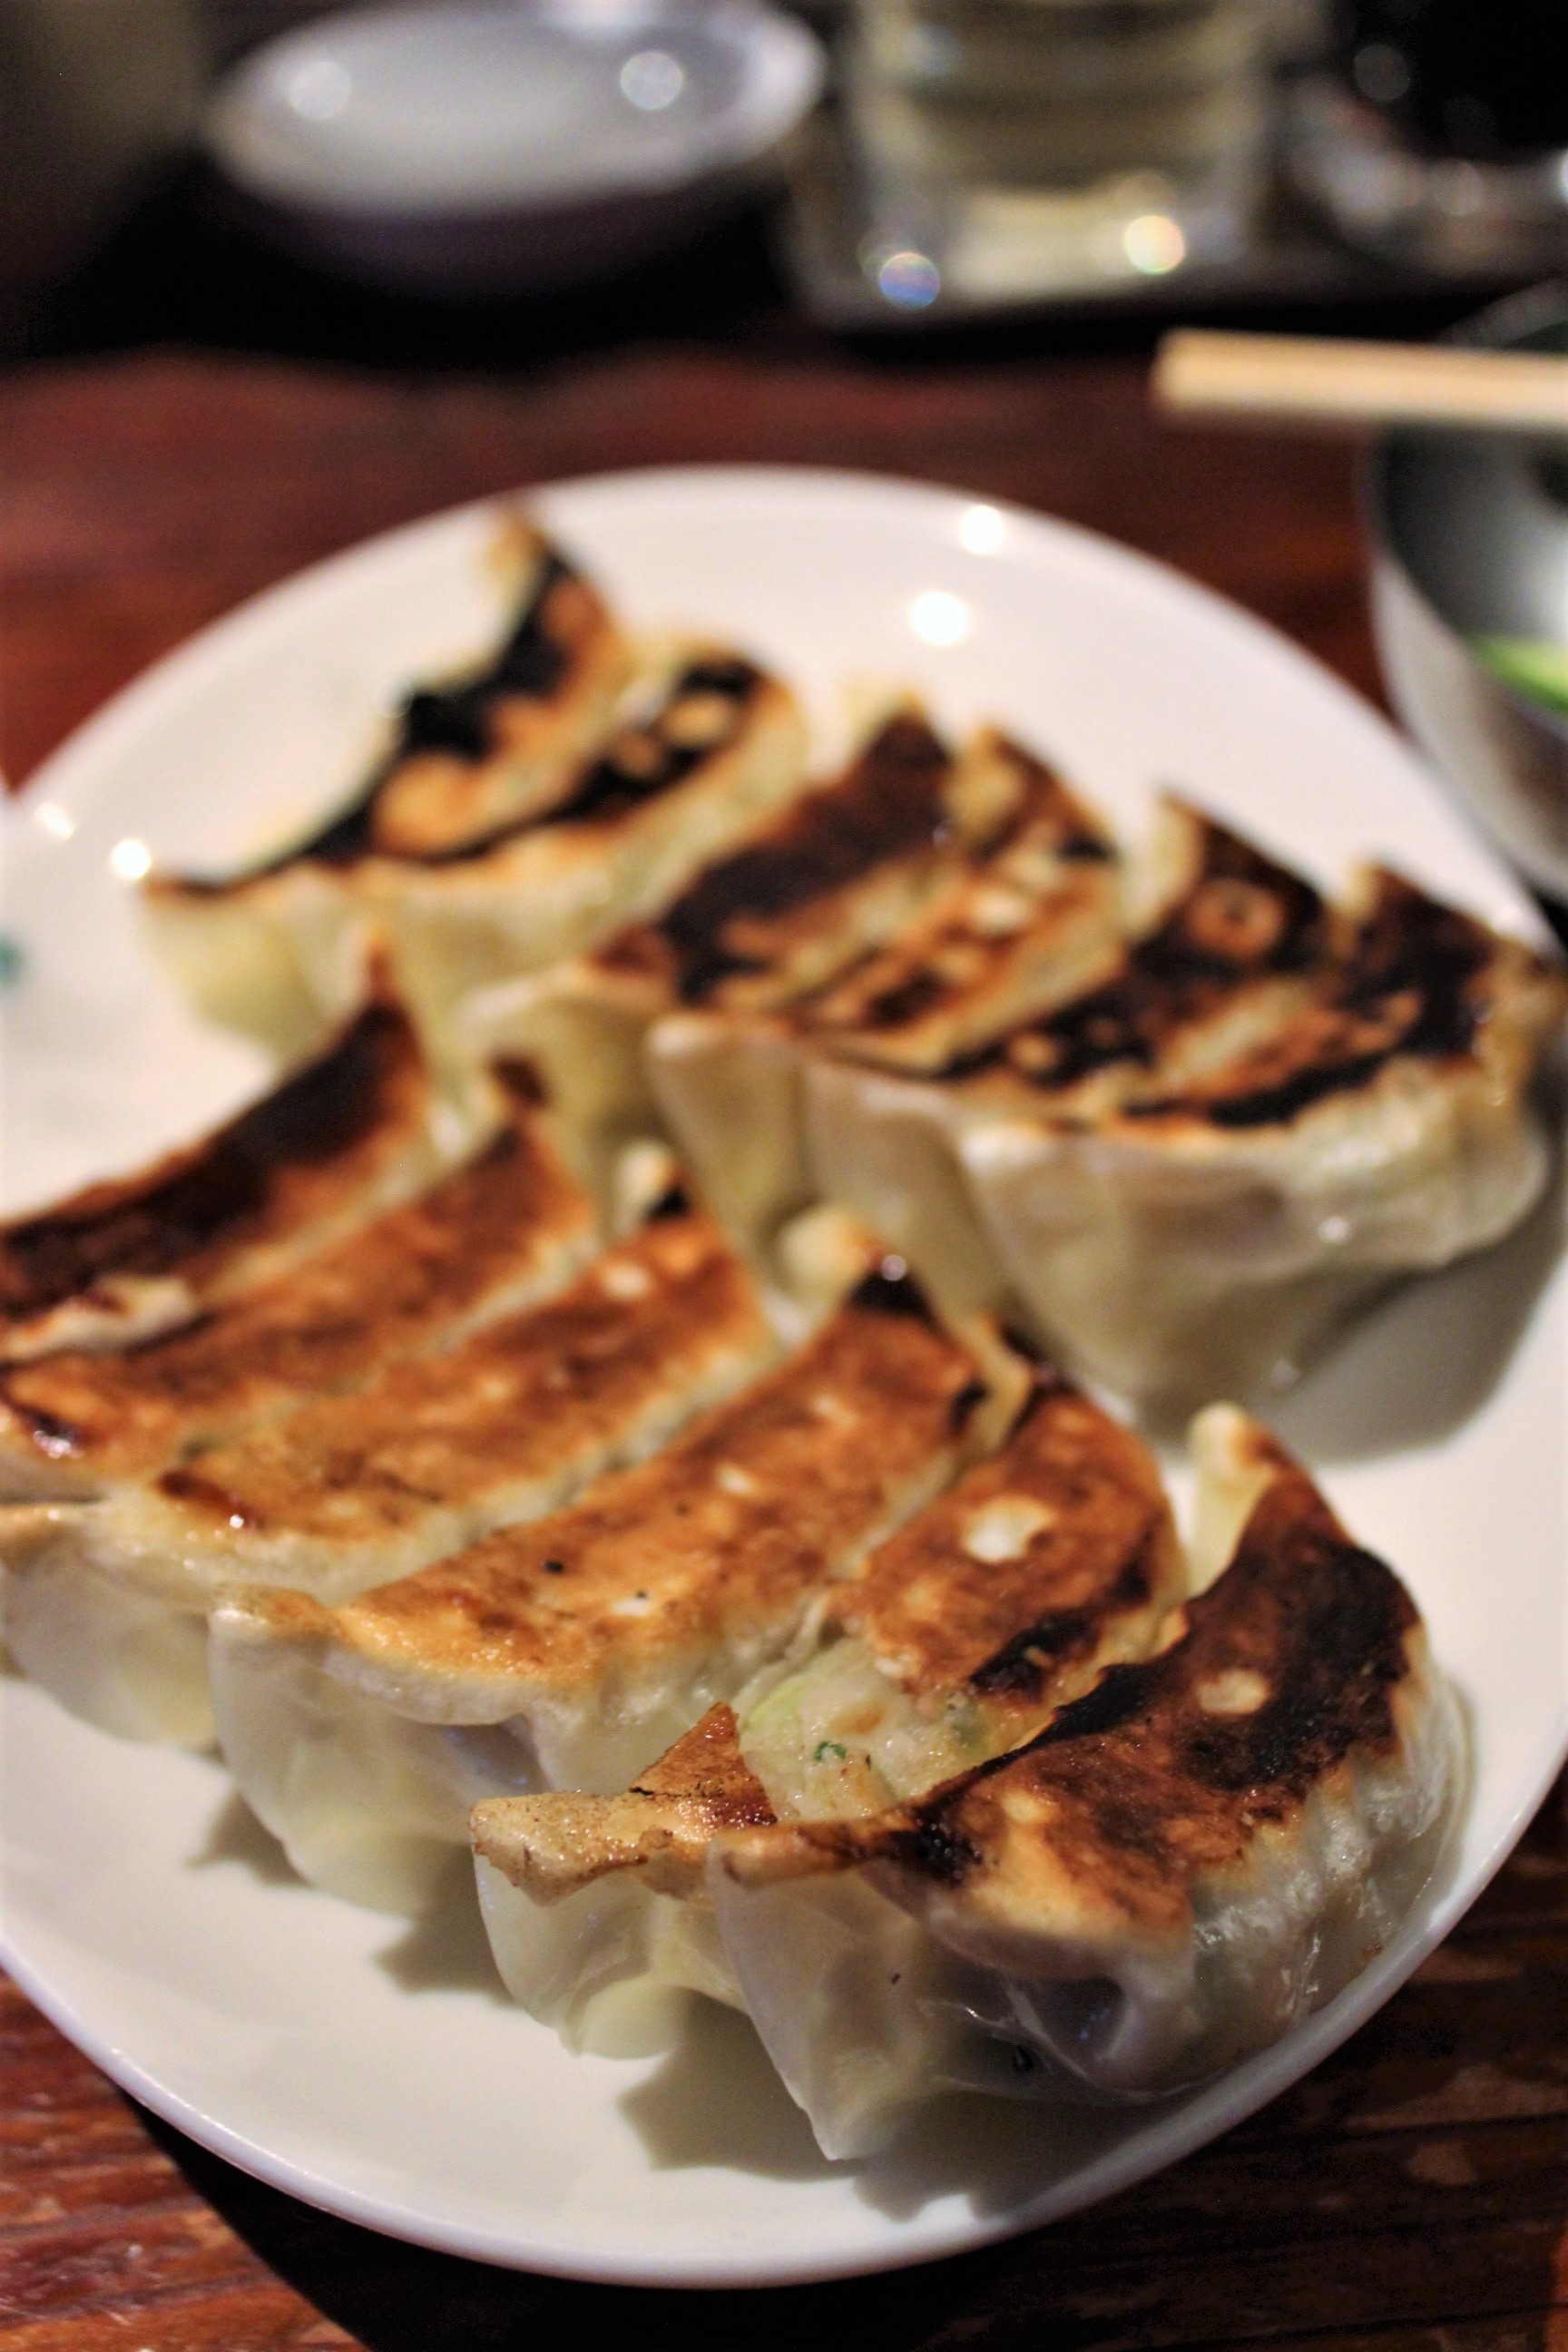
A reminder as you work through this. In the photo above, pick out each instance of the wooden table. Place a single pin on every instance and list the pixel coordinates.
(1414, 2191)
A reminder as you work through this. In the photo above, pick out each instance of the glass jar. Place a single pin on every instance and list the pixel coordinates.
(1087, 141)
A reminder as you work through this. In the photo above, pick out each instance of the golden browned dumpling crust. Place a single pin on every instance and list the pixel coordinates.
(487, 751)
(729, 1530)
(506, 1405)
(506, 1225)
(662, 1827)
(1242, 918)
(1033, 913)
(1164, 1774)
(1004, 1595)
(144, 1252)
(1014, 1577)
(762, 919)
(1418, 979)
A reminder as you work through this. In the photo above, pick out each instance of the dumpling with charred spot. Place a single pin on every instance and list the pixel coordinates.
(347, 1135)
(782, 914)
(108, 1600)
(959, 1637)
(277, 951)
(571, 1651)
(1029, 911)
(1220, 944)
(1197, 1853)
(705, 750)
(505, 1225)
(1204, 1232)
(1185, 1179)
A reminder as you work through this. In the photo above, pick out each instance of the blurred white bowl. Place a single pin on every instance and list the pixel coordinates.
(489, 149)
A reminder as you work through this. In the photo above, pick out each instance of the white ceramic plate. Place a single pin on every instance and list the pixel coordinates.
(487, 148)
(374, 2068)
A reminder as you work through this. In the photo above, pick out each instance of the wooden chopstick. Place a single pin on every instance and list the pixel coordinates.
(1312, 379)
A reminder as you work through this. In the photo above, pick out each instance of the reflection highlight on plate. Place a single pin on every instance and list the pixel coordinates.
(982, 530)
(651, 81)
(131, 859)
(319, 89)
(940, 618)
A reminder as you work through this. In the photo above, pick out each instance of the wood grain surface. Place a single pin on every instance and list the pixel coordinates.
(1414, 2191)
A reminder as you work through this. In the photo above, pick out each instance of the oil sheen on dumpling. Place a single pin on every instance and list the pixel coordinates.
(1028, 911)
(1185, 1178)
(569, 1652)
(1200, 1851)
(958, 1638)
(108, 1600)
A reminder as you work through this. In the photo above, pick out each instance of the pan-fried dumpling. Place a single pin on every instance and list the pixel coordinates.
(108, 1600)
(959, 1637)
(522, 814)
(274, 952)
(1206, 1231)
(1186, 1177)
(1194, 1854)
(1221, 941)
(718, 746)
(782, 914)
(1032, 909)
(569, 1652)
(503, 1227)
(351, 1132)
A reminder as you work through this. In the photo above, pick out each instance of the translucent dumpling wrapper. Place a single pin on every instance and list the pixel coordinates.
(351, 1132)
(502, 1228)
(571, 1651)
(276, 951)
(697, 763)
(521, 815)
(1030, 911)
(959, 1636)
(781, 914)
(1203, 1848)
(108, 1600)
(1219, 943)
(1210, 1231)
(1185, 1179)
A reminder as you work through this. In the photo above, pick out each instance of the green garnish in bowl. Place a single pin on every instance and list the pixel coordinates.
(1536, 667)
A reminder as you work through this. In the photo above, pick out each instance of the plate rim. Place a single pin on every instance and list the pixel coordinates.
(1194, 2122)
(1256, 2083)
(782, 69)
(164, 676)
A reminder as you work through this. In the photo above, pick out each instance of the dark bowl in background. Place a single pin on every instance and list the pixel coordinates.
(1470, 535)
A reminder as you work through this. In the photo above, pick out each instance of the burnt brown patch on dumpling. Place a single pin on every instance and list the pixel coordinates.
(1414, 982)
(1027, 1564)
(1169, 1767)
(459, 721)
(1244, 919)
(703, 713)
(891, 803)
(1026, 875)
(1164, 1772)
(391, 1286)
(235, 1188)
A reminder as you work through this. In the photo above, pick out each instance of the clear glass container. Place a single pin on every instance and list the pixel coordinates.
(1060, 144)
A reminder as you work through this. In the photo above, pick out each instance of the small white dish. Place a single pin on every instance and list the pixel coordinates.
(376, 2070)
(493, 146)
